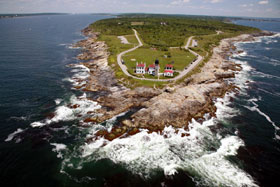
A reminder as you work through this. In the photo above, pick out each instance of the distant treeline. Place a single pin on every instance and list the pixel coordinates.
(167, 30)
(27, 14)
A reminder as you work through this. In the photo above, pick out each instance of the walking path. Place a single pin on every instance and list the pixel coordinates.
(181, 75)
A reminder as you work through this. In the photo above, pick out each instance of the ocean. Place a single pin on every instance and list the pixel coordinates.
(43, 141)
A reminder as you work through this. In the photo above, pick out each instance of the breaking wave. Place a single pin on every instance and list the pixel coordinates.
(79, 106)
(13, 135)
(255, 108)
(58, 148)
(201, 153)
(274, 94)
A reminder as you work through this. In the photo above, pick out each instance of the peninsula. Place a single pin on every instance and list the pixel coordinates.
(158, 70)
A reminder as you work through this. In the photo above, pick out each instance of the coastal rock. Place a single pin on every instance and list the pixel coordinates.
(225, 75)
(169, 89)
(121, 101)
(178, 108)
(127, 123)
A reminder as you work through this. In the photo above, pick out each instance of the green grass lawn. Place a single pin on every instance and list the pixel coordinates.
(114, 43)
(131, 39)
(180, 57)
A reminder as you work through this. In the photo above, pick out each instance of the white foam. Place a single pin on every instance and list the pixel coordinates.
(82, 67)
(244, 53)
(22, 118)
(274, 93)
(65, 113)
(38, 124)
(58, 148)
(276, 35)
(224, 111)
(73, 47)
(81, 74)
(271, 41)
(12, 135)
(242, 78)
(268, 39)
(256, 40)
(202, 153)
(58, 101)
(145, 153)
(271, 61)
(264, 75)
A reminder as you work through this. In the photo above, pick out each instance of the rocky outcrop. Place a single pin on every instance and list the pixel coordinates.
(178, 108)
(225, 75)
(122, 101)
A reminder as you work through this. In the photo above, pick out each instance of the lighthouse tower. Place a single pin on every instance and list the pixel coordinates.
(157, 67)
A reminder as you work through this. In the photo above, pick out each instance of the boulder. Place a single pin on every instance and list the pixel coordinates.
(225, 75)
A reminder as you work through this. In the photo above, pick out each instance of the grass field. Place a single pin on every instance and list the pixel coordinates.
(131, 39)
(181, 58)
(115, 44)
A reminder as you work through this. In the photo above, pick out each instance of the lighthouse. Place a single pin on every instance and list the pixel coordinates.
(157, 67)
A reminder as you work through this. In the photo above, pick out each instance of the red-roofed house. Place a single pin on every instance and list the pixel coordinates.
(168, 70)
(152, 69)
(140, 68)
(168, 67)
(168, 73)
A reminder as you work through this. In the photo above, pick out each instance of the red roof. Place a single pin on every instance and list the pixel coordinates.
(140, 65)
(168, 71)
(169, 65)
(152, 66)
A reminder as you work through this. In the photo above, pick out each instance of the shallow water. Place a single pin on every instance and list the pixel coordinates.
(43, 141)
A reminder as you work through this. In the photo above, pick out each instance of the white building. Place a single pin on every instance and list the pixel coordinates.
(194, 43)
(140, 68)
(168, 71)
(152, 69)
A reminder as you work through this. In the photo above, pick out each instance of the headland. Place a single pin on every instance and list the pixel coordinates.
(152, 104)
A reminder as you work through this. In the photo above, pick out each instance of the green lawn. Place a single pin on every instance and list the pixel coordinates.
(131, 39)
(180, 57)
(114, 43)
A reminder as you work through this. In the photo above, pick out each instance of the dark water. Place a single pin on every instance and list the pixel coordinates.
(260, 120)
(34, 53)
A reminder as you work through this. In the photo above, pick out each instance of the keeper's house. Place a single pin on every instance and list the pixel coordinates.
(140, 68)
(168, 71)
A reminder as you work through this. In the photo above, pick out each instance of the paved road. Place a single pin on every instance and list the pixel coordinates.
(182, 74)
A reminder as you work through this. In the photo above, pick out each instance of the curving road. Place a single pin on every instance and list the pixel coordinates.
(181, 75)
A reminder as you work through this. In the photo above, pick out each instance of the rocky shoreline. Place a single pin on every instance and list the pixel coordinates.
(154, 109)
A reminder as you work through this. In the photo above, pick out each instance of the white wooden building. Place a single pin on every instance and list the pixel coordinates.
(140, 68)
